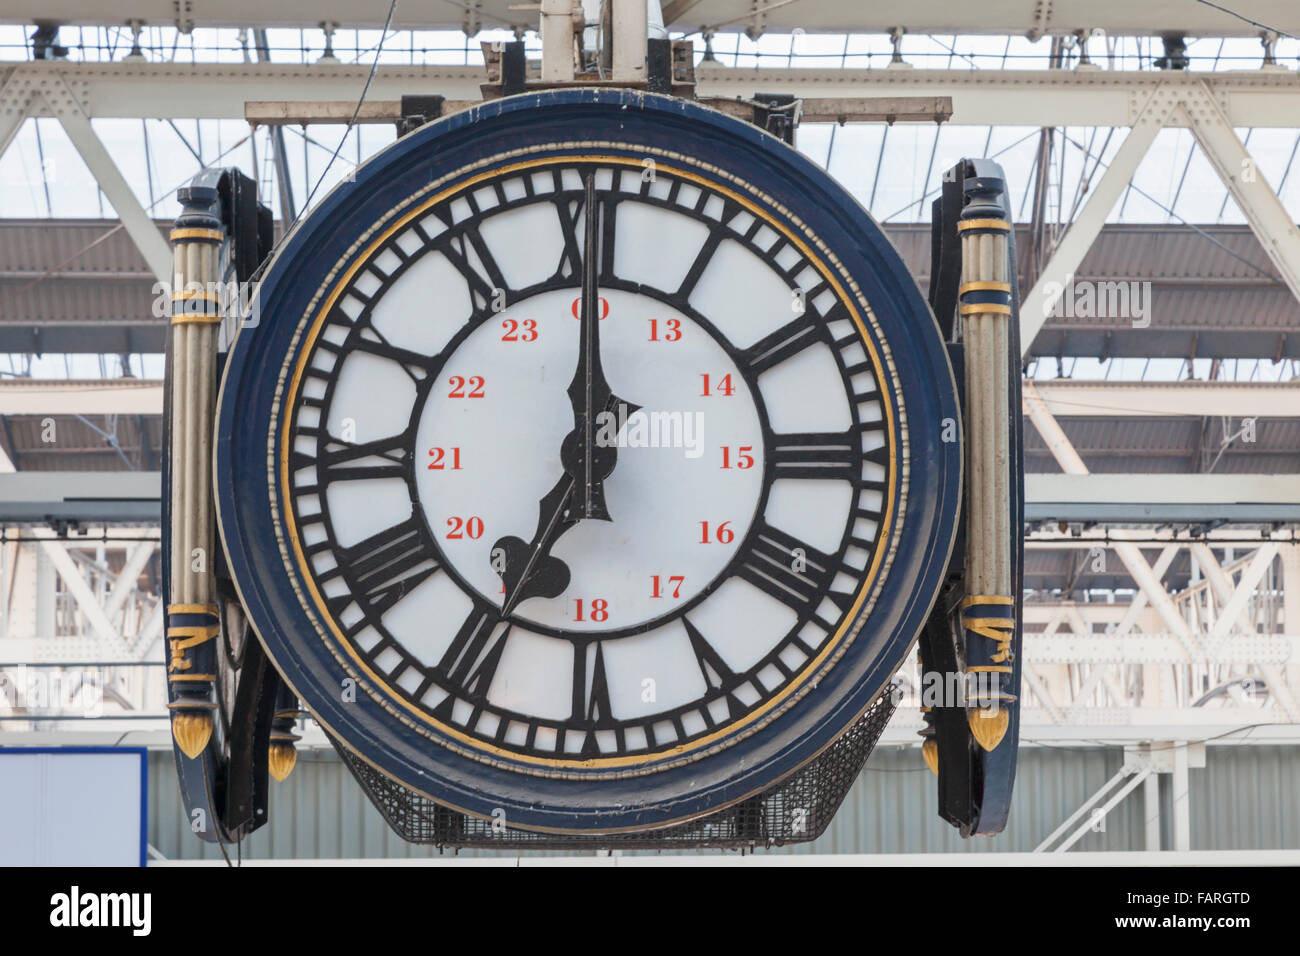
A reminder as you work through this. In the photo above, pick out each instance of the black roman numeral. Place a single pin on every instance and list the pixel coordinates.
(717, 675)
(337, 461)
(461, 249)
(383, 569)
(790, 339)
(471, 659)
(571, 213)
(592, 708)
(791, 571)
(818, 455)
(367, 338)
(702, 259)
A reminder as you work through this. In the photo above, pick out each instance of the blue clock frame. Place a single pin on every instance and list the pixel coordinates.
(621, 123)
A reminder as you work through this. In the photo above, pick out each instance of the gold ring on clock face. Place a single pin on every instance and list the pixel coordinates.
(745, 507)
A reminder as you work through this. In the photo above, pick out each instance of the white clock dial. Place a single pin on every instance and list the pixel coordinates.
(559, 589)
(489, 459)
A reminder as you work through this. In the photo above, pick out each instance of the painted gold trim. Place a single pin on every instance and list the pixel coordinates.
(988, 599)
(983, 287)
(192, 609)
(190, 319)
(981, 308)
(290, 523)
(196, 233)
(999, 224)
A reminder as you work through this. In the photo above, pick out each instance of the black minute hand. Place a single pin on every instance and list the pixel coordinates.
(588, 462)
(529, 570)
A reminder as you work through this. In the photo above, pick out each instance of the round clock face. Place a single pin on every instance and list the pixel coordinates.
(747, 489)
(587, 466)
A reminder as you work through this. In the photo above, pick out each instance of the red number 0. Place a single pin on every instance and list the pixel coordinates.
(604, 307)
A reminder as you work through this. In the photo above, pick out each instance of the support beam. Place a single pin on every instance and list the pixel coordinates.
(13, 110)
(631, 30)
(1087, 805)
(1142, 648)
(1100, 813)
(1151, 811)
(979, 97)
(129, 497)
(87, 603)
(128, 577)
(1160, 498)
(94, 497)
(1229, 617)
(1139, 602)
(818, 109)
(1130, 554)
(556, 29)
(677, 9)
(1181, 798)
(136, 221)
(1042, 299)
(1259, 202)
(1067, 398)
(997, 17)
(124, 396)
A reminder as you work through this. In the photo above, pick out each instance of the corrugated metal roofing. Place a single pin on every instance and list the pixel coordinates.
(1206, 301)
(82, 444)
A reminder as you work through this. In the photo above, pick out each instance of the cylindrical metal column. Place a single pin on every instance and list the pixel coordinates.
(988, 610)
(192, 616)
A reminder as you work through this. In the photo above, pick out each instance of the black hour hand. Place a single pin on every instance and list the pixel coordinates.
(527, 569)
(590, 458)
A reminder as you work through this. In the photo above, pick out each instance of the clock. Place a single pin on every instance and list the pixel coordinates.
(590, 462)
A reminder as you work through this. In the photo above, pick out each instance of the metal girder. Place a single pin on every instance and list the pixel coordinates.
(1065, 17)
(129, 497)
(1043, 298)
(99, 497)
(630, 28)
(1072, 397)
(1251, 575)
(1062, 397)
(1277, 231)
(1265, 99)
(817, 109)
(127, 577)
(65, 96)
(14, 97)
(1128, 553)
(1194, 102)
(70, 397)
(1161, 648)
(76, 585)
(1052, 538)
(1139, 602)
(1161, 498)
(1135, 776)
